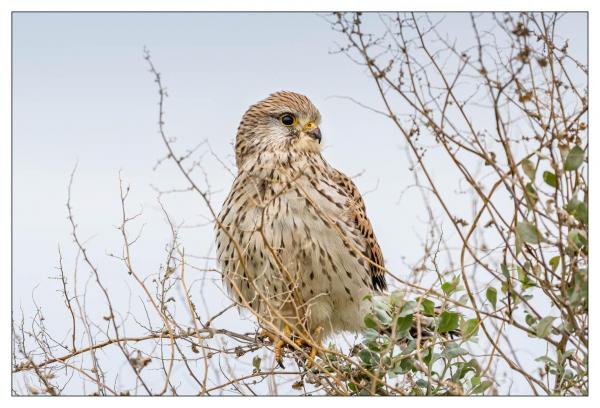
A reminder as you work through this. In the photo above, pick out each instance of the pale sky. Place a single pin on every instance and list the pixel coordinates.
(82, 94)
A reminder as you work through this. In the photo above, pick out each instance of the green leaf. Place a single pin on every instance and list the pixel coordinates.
(352, 386)
(531, 194)
(396, 297)
(469, 328)
(381, 310)
(546, 360)
(518, 243)
(528, 169)
(578, 292)
(464, 299)
(481, 387)
(427, 306)
(581, 213)
(527, 232)
(554, 262)
(572, 205)
(448, 321)
(429, 357)
(370, 322)
(550, 179)
(463, 368)
(578, 238)
(367, 356)
(422, 383)
(523, 275)
(448, 288)
(578, 209)
(544, 327)
(408, 308)
(256, 363)
(492, 295)
(529, 319)
(453, 350)
(403, 324)
(504, 269)
(574, 159)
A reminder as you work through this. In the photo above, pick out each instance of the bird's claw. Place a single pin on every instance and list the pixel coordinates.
(279, 346)
(280, 343)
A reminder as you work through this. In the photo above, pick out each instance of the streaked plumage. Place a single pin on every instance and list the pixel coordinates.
(293, 238)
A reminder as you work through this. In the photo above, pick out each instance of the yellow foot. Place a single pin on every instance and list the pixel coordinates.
(314, 347)
(314, 344)
(279, 345)
(311, 357)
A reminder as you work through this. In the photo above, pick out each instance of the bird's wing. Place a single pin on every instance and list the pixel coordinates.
(363, 226)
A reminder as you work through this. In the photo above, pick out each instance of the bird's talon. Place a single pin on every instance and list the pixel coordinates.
(280, 364)
(279, 345)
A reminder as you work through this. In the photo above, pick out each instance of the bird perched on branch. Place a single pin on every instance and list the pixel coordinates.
(293, 238)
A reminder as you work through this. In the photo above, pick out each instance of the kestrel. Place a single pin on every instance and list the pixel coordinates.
(293, 238)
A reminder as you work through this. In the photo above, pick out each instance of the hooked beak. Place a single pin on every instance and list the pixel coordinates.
(315, 134)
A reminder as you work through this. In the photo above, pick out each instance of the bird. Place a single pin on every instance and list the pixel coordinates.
(293, 240)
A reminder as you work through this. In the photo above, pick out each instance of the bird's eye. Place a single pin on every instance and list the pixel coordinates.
(287, 119)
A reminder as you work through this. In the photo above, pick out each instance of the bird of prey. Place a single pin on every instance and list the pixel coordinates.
(293, 238)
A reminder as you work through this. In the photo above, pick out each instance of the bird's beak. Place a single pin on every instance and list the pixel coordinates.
(315, 134)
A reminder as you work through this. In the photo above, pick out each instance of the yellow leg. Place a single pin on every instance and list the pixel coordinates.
(314, 348)
(280, 343)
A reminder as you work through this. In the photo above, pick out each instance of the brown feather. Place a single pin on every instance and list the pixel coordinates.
(364, 227)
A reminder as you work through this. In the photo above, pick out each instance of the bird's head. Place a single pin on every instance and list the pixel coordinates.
(279, 123)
